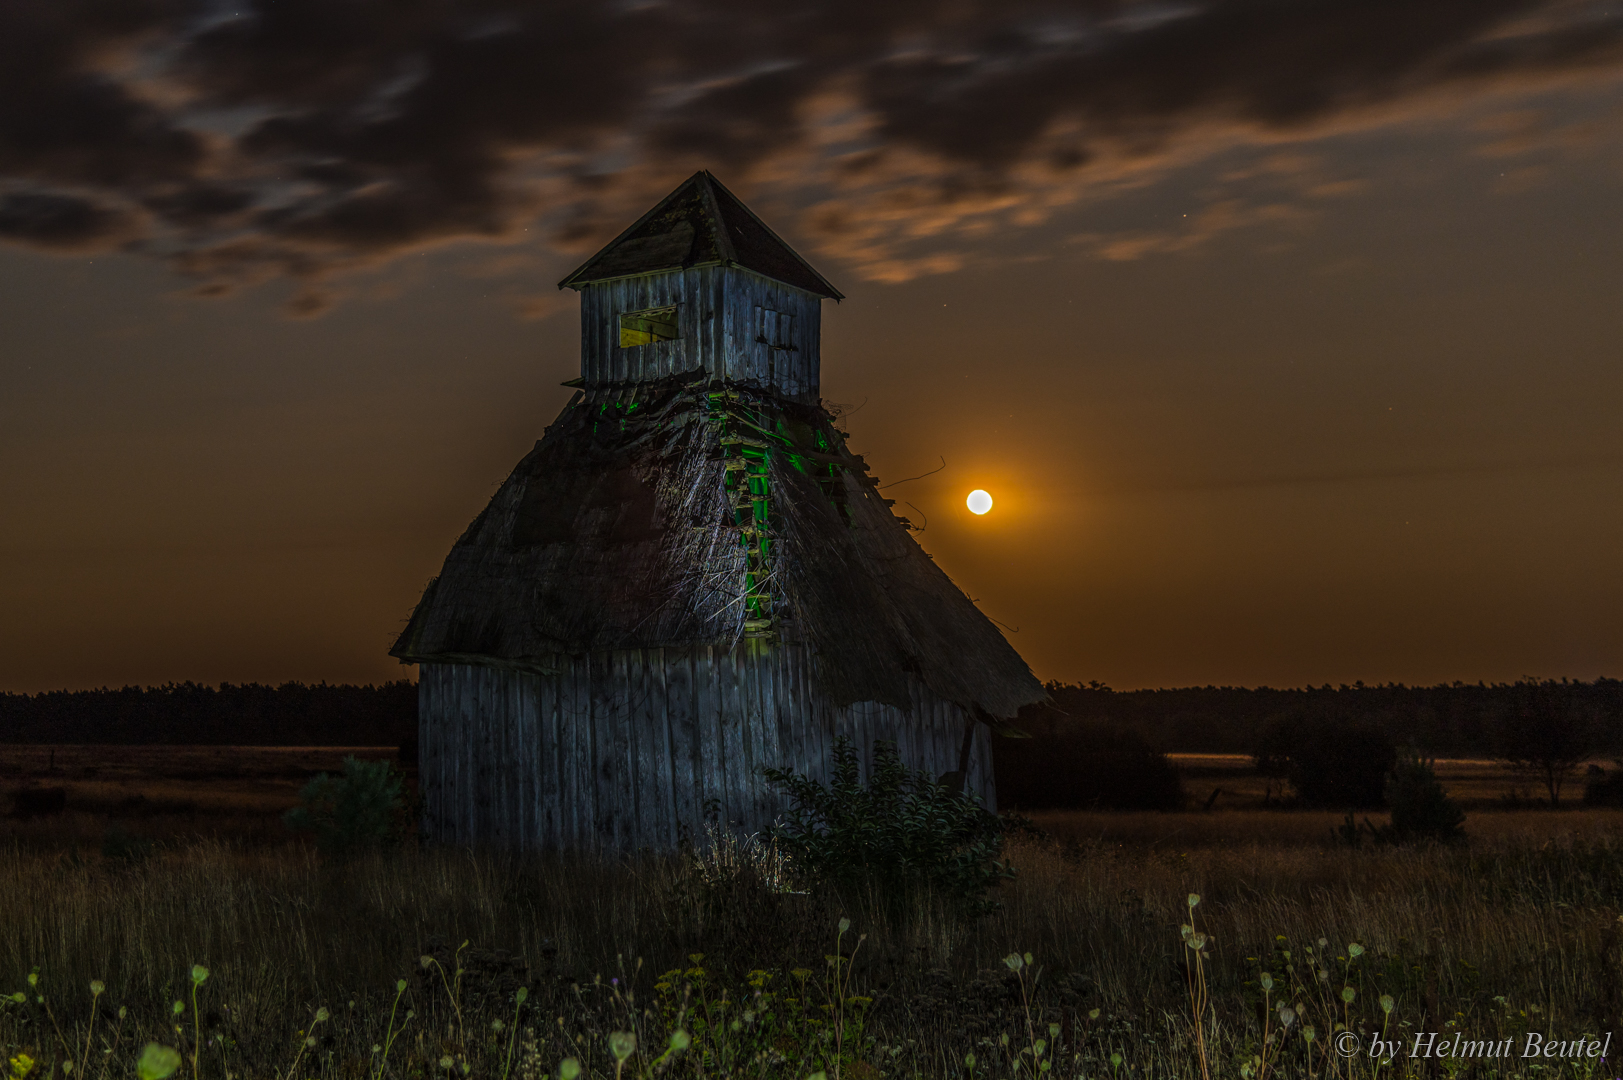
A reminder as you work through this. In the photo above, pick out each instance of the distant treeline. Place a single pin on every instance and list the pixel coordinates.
(1454, 720)
(292, 714)
(1447, 721)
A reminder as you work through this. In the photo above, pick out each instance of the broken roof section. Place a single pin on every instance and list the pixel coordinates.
(701, 223)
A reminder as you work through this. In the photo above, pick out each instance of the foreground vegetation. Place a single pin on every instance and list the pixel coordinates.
(316, 967)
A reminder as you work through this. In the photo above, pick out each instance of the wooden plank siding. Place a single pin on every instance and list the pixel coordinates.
(622, 751)
(718, 316)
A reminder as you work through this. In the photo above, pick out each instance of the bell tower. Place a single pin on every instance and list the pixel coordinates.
(699, 284)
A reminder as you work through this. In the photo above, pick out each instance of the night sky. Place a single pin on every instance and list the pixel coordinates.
(1286, 335)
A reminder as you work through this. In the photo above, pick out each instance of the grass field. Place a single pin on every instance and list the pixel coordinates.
(237, 790)
(1516, 933)
(1474, 783)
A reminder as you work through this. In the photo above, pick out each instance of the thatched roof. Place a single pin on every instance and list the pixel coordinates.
(701, 223)
(619, 531)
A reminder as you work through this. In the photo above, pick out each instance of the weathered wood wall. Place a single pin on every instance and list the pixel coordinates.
(639, 748)
(718, 315)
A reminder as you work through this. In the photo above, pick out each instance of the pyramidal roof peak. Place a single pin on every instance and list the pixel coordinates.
(701, 223)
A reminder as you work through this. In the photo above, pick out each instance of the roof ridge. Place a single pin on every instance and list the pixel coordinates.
(700, 223)
(627, 231)
(833, 293)
(724, 239)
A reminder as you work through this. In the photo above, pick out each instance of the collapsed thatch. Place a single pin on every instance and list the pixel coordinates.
(676, 513)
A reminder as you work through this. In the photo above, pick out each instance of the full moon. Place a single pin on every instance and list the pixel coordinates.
(979, 501)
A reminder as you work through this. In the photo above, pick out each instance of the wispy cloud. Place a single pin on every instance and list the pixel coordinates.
(306, 138)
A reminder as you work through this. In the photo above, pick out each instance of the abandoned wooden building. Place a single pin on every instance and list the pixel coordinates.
(690, 577)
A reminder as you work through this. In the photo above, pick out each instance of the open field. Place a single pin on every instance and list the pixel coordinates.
(1297, 829)
(242, 783)
(1518, 932)
(1474, 783)
(236, 791)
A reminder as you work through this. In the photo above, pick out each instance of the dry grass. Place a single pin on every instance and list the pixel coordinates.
(1517, 932)
(1527, 915)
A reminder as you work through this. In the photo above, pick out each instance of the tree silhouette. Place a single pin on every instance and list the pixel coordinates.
(1547, 732)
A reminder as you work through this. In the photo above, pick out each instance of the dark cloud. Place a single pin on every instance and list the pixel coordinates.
(60, 222)
(64, 116)
(306, 136)
(199, 205)
(739, 121)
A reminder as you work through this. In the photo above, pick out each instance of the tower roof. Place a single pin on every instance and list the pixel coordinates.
(701, 223)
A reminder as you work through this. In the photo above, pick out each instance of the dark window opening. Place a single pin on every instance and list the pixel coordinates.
(775, 330)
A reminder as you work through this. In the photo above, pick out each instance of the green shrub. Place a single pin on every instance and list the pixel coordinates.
(1421, 810)
(359, 809)
(1330, 761)
(901, 834)
(1603, 787)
